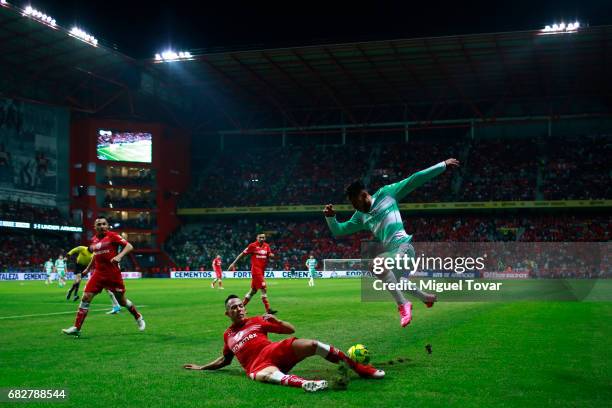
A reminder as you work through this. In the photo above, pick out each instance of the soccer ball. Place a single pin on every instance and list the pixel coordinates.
(359, 353)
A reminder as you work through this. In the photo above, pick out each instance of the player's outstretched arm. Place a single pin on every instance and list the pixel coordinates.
(400, 189)
(213, 365)
(341, 228)
(240, 255)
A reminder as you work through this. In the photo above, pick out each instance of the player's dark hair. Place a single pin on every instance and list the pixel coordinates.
(230, 297)
(353, 189)
(101, 218)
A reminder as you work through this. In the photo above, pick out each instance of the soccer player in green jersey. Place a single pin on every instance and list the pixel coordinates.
(311, 264)
(379, 213)
(48, 270)
(60, 269)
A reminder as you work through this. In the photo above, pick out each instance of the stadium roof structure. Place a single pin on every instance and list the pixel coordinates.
(419, 81)
(47, 64)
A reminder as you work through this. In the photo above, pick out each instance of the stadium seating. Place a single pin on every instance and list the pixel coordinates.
(196, 245)
(492, 170)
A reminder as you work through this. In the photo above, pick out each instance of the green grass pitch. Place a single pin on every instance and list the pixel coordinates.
(484, 354)
(131, 153)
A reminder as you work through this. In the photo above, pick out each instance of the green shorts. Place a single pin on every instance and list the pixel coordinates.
(313, 273)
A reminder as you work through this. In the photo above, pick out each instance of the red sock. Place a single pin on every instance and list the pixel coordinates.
(336, 355)
(132, 309)
(264, 299)
(293, 381)
(246, 301)
(80, 317)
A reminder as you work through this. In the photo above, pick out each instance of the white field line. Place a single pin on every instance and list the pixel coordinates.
(55, 314)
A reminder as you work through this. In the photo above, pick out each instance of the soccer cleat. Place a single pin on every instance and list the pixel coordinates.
(341, 381)
(68, 296)
(221, 287)
(430, 299)
(272, 311)
(72, 331)
(77, 297)
(405, 311)
(314, 386)
(367, 371)
(114, 310)
(141, 323)
(212, 285)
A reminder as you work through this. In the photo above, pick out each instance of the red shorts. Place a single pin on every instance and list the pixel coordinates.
(219, 274)
(257, 279)
(278, 354)
(97, 282)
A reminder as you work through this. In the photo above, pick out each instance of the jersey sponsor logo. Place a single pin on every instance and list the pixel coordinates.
(236, 347)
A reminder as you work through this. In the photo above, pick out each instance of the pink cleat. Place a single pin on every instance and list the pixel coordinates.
(405, 311)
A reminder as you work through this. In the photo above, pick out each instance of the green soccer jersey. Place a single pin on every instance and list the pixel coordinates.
(60, 266)
(384, 219)
(48, 267)
(311, 264)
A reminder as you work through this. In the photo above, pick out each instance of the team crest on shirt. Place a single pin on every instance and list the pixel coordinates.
(98, 245)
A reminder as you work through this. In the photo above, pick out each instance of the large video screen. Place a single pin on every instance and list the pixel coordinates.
(124, 146)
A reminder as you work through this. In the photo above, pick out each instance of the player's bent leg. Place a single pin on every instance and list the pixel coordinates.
(81, 315)
(127, 303)
(248, 296)
(264, 299)
(116, 307)
(274, 376)
(304, 348)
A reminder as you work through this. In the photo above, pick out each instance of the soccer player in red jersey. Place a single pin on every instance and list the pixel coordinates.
(216, 264)
(106, 275)
(260, 252)
(265, 361)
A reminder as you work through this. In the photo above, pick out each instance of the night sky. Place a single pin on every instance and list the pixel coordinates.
(141, 28)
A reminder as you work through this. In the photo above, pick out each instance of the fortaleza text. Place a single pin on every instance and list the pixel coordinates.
(432, 285)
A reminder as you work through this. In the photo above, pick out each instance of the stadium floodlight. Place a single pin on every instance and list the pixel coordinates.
(561, 28)
(170, 55)
(31, 12)
(83, 36)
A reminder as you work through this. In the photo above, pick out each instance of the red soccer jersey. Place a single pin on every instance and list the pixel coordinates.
(259, 255)
(105, 249)
(246, 341)
(217, 264)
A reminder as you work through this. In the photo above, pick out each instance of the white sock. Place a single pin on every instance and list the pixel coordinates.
(113, 299)
(276, 377)
(248, 295)
(416, 293)
(322, 349)
(388, 277)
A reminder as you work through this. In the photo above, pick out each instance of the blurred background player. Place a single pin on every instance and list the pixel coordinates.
(83, 259)
(265, 361)
(106, 259)
(260, 253)
(311, 264)
(60, 268)
(48, 270)
(379, 213)
(216, 264)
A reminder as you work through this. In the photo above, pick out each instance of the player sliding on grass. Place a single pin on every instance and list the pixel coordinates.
(265, 361)
(379, 213)
(260, 252)
(106, 274)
